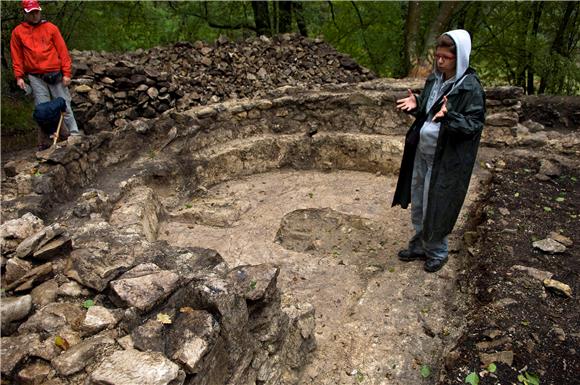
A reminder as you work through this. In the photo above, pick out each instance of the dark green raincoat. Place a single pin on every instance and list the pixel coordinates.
(455, 154)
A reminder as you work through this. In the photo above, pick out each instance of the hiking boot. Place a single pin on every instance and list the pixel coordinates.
(432, 265)
(407, 255)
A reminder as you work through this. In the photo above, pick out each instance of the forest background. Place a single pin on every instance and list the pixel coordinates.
(532, 44)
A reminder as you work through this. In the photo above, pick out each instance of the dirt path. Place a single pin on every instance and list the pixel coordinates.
(377, 319)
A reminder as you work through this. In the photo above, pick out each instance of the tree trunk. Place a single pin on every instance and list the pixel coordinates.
(261, 17)
(410, 54)
(557, 46)
(537, 14)
(523, 57)
(285, 16)
(424, 63)
(298, 10)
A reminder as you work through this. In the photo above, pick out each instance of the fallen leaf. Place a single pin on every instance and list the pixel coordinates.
(186, 309)
(164, 318)
(61, 343)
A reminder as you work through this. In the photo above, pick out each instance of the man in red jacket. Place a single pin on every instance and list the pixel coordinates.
(40, 53)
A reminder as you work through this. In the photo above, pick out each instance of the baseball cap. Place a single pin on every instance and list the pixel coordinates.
(31, 5)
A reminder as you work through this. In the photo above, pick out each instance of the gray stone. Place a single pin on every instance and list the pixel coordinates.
(143, 287)
(59, 154)
(98, 318)
(533, 272)
(37, 240)
(534, 126)
(17, 166)
(549, 168)
(560, 333)
(560, 287)
(92, 201)
(536, 139)
(502, 119)
(44, 293)
(53, 317)
(561, 239)
(80, 355)
(506, 357)
(34, 373)
(14, 309)
(60, 246)
(149, 336)
(16, 268)
(70, 289)
(96, 269)
(549, 246)
(14, 231)
(126, 342)
(131, 367)
(30, 279)
(255, 282)
(15, 349)
(192, 335)
(138, 213)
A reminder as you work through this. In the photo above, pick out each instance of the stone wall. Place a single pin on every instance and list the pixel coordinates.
(352, 127)
(183, 313)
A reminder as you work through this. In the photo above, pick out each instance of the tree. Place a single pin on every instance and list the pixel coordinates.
(261, 17)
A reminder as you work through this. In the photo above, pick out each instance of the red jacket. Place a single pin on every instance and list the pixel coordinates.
(39, 49)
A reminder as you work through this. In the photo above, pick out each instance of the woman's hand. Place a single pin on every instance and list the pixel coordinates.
(65, 81)
(407, 104)
(443, 111)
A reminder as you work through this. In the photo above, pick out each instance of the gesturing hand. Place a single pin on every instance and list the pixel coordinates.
(407, 104)
(443, 111)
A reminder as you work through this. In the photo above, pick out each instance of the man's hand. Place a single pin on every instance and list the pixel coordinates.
(407, 104)
(65, 81)
(20, 83)
(443, 111)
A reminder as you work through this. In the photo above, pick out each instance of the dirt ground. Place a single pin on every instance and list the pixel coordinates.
(512, 312)
(335, 238)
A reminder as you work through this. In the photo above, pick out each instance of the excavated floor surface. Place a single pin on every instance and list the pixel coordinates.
(335, 238)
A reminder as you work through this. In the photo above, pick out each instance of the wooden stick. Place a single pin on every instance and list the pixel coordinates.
(58, 129)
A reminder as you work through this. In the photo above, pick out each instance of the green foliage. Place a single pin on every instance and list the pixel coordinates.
(425, 371)
(491, 368)
(88, 303)
(528, 379)
(472, 378)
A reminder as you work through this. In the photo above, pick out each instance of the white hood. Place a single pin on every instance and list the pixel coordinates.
(463, 48)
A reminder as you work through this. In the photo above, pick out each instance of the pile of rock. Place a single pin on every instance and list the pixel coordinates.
(116, 307)
(146, 83)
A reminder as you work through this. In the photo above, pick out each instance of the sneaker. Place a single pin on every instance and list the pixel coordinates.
(406, 255)
(77, 133)
(432, 265)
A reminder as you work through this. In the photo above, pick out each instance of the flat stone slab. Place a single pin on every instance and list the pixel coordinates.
(144, 286)
(130, 367)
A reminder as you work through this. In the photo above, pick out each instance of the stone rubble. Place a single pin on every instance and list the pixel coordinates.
(145, 83)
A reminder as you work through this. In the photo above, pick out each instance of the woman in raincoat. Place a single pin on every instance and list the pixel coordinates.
(440, 149)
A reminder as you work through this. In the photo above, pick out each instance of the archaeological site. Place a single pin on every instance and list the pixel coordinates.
(226, 219)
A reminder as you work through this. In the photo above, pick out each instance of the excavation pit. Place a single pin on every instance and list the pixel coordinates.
(300, 183)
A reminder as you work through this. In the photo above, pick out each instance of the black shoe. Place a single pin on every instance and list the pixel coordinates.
(433, 265)
(406, 255)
